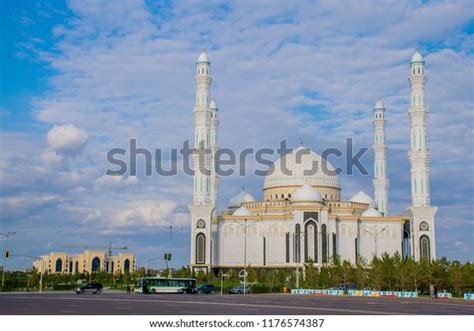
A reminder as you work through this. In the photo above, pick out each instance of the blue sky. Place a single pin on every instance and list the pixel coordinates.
(82, 77)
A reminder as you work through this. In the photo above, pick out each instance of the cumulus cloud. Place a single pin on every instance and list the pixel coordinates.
(144, 214)
(66, 139)
(123, 69)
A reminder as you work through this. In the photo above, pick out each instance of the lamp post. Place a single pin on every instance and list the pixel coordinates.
(222, 282)
(6, 235)
(245, 254)
(245, 257)
(171, 232)
(146, 264)
(376, 235)
(246, 225)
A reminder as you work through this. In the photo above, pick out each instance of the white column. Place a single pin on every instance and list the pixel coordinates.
(419, 154)
(421, 212)
(380, 180)
(202, 117)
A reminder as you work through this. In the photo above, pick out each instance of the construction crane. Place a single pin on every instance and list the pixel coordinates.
(109, 248)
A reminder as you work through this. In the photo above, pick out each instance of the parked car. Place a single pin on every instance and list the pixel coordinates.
(239, 290)
(206, 289)
(89, 287)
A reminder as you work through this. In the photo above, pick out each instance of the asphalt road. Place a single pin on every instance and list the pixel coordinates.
(113, 303)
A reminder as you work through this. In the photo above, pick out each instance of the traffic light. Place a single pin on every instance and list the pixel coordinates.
(169, 256)
(7, 253)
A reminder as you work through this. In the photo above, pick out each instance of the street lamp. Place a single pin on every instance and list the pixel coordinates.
(376, 235)
(222, 282)
(146, 264)
(171, 232)
(245, 252)
(6, 235)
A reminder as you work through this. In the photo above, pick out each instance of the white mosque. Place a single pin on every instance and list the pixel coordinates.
(301, 217)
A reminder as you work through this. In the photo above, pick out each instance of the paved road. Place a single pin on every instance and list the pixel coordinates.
(68, 303)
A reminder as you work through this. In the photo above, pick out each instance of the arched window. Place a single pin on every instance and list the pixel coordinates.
(59, 265)
(311, 241)
(324, 243)
(200, 248)
(95, 264)
(126, 265)
(287, 247)
(77, 267)
(112, 267)
(297, 243)
(425, 248)
(418, 69)
(70, 267)
(334, 245)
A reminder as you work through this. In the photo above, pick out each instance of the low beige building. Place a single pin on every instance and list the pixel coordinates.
(89, 261)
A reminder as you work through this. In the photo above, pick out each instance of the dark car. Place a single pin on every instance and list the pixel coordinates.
(206, 289)
(239, 290)
(89, 287)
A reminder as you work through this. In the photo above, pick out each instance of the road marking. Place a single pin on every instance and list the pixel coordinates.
(241, 305)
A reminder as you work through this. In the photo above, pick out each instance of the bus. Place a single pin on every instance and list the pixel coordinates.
(155, 285)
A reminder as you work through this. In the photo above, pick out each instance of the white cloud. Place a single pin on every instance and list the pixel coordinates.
(66, 138)
(124, 69)
(144, 214)
(110, 182)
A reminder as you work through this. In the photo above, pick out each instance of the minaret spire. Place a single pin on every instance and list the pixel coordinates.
(202, 130)
(380, 180)
(422, 223)
(206, 182)
(419, 154)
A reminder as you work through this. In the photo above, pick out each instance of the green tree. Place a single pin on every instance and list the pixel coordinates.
(311, 275)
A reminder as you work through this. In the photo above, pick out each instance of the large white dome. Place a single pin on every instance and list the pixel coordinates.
(307, 168)
(237, 200)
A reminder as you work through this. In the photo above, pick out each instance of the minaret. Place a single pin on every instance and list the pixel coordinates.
(380, 180)
(214, 147)
(205, 178)
(421, 213)
(202, 130)
(419, 154)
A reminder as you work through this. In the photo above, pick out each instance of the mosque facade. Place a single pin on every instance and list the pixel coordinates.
(301, 217)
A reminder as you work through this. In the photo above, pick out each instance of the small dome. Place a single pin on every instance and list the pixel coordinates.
(363, 197)
(237, 200)
(212, 104)
(242, 211)
(417, 57)
(307, 193)
(371, 212)
(203, 58)
(379, 105)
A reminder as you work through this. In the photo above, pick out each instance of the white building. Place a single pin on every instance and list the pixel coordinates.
(301, 216)
(89, 261)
